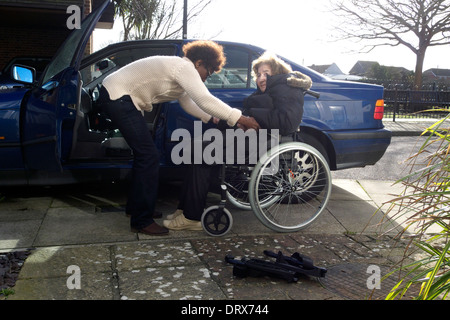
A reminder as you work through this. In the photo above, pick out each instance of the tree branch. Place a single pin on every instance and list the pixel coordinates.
(415, 24)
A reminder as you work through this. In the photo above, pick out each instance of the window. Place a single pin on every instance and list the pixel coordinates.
(126, 56)
(67, 52)
(96, 70)
(93, 71)
(236, 74)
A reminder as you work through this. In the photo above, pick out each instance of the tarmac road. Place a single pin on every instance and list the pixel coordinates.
(392, 166)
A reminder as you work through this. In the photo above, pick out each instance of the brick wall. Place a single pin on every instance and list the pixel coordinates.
(29, 42)
(87, 6)
(41, 31)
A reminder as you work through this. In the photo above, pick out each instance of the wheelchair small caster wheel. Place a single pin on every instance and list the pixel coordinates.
(216, 221)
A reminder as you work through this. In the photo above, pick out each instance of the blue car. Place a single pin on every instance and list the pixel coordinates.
(52, 132)
(7, 80)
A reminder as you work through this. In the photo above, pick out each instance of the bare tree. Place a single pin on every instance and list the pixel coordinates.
(155, 19)
(416, 24)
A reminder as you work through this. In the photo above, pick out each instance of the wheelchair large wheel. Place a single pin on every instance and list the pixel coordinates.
(237, 180)
(216, 221)
(299, 176)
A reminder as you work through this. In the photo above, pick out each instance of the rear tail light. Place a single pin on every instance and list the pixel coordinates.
(379, 110)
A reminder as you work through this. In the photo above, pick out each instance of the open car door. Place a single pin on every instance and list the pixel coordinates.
(48, 115)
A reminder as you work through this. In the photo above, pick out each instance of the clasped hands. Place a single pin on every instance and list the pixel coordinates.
(245, 123)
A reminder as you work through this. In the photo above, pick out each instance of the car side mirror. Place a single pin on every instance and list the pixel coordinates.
(23, 74)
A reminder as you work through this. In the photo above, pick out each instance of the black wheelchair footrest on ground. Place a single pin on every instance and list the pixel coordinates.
(285, 267)
(304, 264)
(260, 268)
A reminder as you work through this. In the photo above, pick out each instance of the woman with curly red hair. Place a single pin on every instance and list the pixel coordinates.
(140, 84)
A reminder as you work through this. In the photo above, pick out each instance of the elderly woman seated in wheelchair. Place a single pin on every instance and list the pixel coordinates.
(290, 184)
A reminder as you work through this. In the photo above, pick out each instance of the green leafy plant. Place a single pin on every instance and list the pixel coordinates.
(6, 292)
(424, 211)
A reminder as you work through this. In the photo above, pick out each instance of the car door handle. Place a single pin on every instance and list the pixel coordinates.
(50, 85)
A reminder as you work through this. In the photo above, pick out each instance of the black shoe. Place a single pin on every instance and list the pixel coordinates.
(153, 229)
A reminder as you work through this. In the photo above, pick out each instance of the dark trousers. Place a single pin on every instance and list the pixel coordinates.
(201, 177)
(144, 182)
(195, 189)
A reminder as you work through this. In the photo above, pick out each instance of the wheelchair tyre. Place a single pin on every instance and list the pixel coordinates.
(300, 177)
(217, 222)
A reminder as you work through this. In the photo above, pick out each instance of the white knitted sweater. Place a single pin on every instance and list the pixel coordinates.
(159, 79)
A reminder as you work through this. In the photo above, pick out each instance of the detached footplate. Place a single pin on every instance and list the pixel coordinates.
(289, 268)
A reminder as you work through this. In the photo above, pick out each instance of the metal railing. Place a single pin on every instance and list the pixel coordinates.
(415, 103)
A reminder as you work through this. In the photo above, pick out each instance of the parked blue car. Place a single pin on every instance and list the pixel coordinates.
(6, 78)
(51, 131)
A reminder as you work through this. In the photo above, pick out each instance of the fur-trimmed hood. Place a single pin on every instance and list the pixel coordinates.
(294, 79)
(281, 105)
(299, 80)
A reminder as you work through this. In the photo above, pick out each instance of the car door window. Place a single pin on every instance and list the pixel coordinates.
(93, 71)
(236, 74)
(96, 70)
(126, 56)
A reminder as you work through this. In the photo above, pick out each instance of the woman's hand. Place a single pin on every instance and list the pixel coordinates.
(246, 123)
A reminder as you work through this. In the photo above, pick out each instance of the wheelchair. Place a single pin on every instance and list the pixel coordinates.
(287, 190)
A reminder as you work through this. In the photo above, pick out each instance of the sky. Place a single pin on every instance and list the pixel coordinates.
(298, 30)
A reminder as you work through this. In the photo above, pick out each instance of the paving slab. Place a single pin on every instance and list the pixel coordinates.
(91, 232)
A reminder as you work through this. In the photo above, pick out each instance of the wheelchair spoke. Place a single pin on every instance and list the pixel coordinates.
(302, 184)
